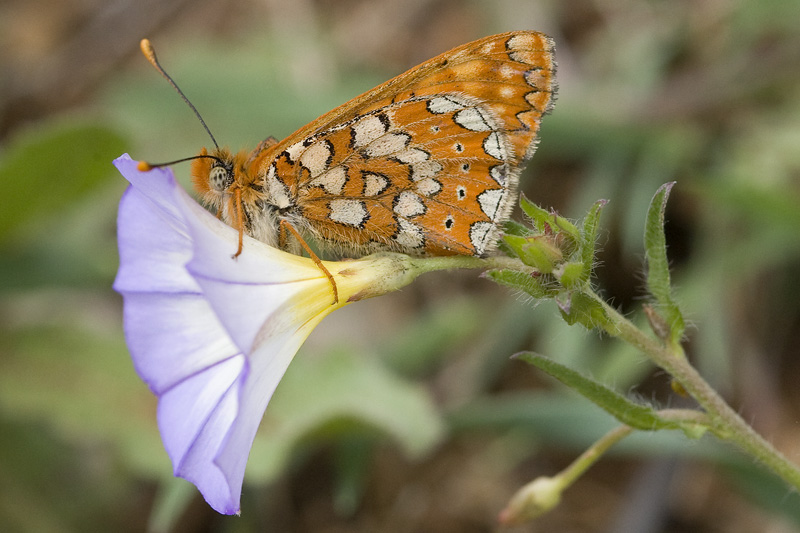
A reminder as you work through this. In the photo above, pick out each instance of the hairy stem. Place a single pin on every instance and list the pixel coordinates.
(725, 420)
(430, 264)
(592, 454)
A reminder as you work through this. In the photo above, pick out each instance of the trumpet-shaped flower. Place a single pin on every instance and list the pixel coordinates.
(212, 335)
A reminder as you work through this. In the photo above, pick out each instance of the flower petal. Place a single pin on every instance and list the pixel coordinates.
(153, 240)
(254, 295)
(194, 418)
(170, 329)
(260, 263)
(177, 344)
(172, 337)
(268, 365)
(210, 334)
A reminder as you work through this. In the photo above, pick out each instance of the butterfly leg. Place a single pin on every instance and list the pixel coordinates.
(285, 226)
(239, 221)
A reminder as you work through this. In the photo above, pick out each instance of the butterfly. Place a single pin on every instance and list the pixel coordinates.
(427, 163)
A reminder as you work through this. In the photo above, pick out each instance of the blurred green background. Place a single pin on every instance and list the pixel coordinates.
(405, 413)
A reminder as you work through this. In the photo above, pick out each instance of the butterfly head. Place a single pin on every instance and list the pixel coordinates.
(216, 175)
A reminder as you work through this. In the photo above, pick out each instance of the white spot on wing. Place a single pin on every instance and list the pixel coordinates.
(349, 212)
(332, 181)
(519, 41)
(408, 204)
(479, 235)
(428, 187)
(490, 202)
(388, 144)
(374, 184)
(412, 155)
(507, 92)
(472, 119)
(278, 193)
(498, 174)
(507, 71)
(315, 158)
(444, 104)
(424, 170)
(367, 130)
(409, 235)
(494, 146)
(295, 150)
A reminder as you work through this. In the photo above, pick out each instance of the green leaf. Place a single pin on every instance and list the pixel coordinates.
(536, 417)
(545, 221)
(632, 414)
(418, 347)
(521, 281)
(353, 461)
(589, 238)
(342, 395)
(538, 251)
(541, 218)
(658, 276)
(512, 227)
(578, 308)
(47, 169)
(574, 275)
(764, 487)
(79, 382)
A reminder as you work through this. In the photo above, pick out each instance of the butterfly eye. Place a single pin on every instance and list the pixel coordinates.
(220, 179)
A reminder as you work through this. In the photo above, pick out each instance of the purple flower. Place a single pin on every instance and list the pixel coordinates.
(211, 335)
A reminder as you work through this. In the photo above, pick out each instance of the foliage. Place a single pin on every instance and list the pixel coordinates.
(650, 94)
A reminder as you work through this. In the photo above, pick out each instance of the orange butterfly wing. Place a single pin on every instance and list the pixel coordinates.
(428, 162)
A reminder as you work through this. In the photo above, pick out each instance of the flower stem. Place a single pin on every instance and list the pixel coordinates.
(451, 262)
(582, 463)
(544, 493)
(725, 421)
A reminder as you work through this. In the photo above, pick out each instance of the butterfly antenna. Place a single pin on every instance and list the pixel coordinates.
(144, 166)
(150, 54)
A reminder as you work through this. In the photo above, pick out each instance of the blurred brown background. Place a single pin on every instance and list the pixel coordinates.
(703, 92)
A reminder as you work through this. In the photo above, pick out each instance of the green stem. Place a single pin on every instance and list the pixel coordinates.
(544, 493)
(451, 262)
(723, 418)
(582, 463)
